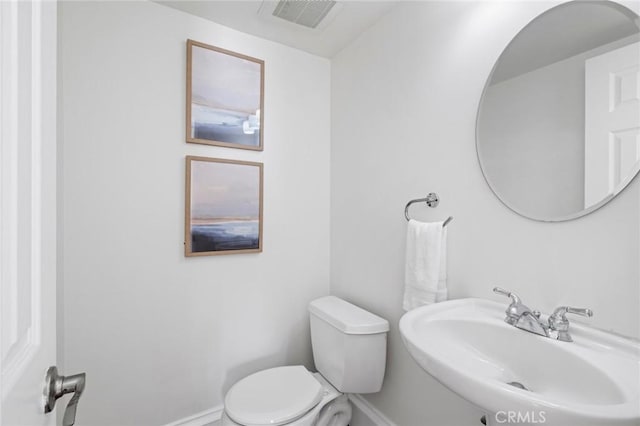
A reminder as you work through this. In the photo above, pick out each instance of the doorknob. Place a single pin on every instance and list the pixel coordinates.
(55, 386)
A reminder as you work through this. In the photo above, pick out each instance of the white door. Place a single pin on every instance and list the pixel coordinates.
(612, 122)
(27, 208)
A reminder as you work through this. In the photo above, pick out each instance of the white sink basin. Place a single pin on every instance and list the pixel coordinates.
(466, 345)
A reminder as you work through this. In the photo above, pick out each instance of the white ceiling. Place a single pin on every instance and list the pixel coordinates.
(352, 19)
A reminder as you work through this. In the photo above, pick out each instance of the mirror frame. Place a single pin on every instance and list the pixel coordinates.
(627, 182)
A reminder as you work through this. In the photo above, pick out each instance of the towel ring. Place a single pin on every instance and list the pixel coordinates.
(431, 200)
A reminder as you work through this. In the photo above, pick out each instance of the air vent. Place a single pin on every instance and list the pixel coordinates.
(304, 12)
(309, 14)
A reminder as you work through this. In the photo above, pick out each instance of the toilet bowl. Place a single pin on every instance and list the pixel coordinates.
(349, 350)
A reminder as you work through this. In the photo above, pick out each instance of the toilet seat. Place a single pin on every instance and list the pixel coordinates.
(275, 396)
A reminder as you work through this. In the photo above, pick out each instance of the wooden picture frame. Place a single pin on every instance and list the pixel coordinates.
(223, 206)
(225, 98)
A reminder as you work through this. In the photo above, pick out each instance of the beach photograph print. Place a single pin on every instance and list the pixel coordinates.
(224, 97)
(223, 210)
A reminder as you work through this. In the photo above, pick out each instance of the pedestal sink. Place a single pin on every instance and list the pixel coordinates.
(518, 377)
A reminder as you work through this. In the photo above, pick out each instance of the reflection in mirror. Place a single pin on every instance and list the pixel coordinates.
(558, 129)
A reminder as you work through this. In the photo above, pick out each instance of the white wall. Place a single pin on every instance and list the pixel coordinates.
(404, 103)
(162, 337)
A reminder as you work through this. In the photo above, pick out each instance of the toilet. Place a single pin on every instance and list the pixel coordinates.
(349, 350)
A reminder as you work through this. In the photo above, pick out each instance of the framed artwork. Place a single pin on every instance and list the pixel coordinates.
(225, 97)
(223, 207)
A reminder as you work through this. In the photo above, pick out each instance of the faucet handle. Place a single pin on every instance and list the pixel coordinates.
(585, 312)
(558, 320)
(514, 297)
(515, 309)
(560, 312)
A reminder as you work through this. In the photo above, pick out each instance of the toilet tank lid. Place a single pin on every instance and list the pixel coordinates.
(348, 318)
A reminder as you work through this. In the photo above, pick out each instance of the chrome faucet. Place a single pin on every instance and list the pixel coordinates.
(521, 316)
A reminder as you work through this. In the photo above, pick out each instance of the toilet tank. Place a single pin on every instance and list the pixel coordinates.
(349, 345)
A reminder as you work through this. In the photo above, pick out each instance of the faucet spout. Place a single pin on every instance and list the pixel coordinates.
(530, 322)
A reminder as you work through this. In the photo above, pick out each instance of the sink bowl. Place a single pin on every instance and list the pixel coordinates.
(518, 377)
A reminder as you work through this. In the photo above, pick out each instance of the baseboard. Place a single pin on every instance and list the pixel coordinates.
(200, 419)
(365, 414)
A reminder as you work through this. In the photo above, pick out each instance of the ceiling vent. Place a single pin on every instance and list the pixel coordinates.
(312, 14)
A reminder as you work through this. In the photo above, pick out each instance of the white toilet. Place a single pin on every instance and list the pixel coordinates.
(349, 350)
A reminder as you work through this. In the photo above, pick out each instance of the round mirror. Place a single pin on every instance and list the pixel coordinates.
(558, 128)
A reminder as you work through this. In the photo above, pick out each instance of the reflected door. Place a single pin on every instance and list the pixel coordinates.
(612, 117)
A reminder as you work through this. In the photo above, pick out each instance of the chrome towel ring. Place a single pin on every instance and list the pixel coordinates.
(432, 200)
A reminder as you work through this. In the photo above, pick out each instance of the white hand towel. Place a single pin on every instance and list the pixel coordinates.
(426, 264)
